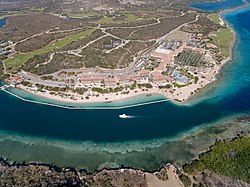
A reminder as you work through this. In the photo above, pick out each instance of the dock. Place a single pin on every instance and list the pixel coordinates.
(4, 87)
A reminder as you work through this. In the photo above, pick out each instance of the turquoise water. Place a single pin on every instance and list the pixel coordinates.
(219, 5)
(127, 103)
(151, 125)
(175, 74)
(154, 121)
(149, 122)
(181, 79)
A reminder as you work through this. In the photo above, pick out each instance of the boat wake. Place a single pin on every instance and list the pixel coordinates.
(124, 116)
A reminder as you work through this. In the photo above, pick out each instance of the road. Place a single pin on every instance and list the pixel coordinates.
(137, 65)
(37, 80)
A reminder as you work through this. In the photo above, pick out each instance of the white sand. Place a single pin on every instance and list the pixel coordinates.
(173, 180)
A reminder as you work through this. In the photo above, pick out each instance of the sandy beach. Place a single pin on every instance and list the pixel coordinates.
(93, 97)
(177, 94)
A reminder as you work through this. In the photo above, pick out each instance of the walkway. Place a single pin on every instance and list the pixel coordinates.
(4, 87)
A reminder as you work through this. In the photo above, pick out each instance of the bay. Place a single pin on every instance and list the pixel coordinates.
(28, 125)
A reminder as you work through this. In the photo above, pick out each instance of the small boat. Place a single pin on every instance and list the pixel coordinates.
(123, 116)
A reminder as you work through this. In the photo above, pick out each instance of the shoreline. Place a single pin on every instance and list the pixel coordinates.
(198, 96)
(114, 98)
(174, 172)
(78, 176)
(148, 173)
(85, 107)
(104, 99)
(222, 129)
(188, 97)
(184, 96)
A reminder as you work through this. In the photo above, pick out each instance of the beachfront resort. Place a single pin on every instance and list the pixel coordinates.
(176, 65)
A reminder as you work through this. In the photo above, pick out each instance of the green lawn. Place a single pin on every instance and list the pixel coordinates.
(20, 59)
(106, 20)
(214, 17)
(181, 86)
(109, 20)
(36, 9)
(131, 17)
(81, 14)
(222, 39)
(224, 36)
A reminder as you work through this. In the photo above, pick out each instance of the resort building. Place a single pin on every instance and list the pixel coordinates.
(134, 77)
(124, 80)
(98, 79)
(159, 79)
(144, 74)
(141, 76)
(211, 46)
(14, 80)
(111, 82)
(116, 43)
(87, 80)
(112, 44)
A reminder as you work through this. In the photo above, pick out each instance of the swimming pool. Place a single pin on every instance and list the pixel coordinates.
(175, 74)
(181, 79)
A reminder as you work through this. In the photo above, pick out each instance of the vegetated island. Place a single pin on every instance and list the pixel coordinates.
(105, 54)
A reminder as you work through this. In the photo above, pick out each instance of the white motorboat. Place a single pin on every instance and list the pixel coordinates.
(123, 116)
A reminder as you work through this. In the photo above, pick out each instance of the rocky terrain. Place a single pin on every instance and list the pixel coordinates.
(224, 164)
(211, 179)
(48, 175)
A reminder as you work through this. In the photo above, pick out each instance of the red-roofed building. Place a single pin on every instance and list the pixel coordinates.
(124, 80)
(158, 78)
(14, 79)
(111, 82)
(91, 80)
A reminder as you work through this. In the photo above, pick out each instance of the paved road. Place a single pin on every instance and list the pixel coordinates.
(37, 80)
(134, 67)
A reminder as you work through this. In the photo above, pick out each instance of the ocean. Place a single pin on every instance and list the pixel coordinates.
(217, 5)
(96, 138)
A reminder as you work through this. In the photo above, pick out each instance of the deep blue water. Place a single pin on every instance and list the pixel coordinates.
(230, 97)
(151, 121)
(219, 5)
(2, 22)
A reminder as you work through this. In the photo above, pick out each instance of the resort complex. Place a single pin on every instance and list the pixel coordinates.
(124, 93)
(106, 60)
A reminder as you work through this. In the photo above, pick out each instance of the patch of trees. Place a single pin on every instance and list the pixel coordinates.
(228, 158)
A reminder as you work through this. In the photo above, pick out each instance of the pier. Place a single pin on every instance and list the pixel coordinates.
(4, 87)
